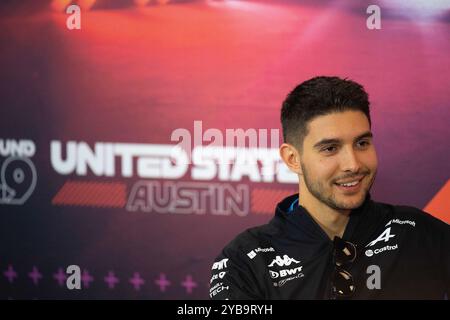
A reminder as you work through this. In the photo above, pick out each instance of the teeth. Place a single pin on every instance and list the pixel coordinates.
(351, 184)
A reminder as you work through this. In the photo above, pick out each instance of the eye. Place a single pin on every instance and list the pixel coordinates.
(329, 149)
(363, 144)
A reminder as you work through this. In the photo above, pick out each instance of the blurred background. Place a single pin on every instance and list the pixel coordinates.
(87, 115)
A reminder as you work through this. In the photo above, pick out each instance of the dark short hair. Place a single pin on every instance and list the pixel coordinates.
(317, 97)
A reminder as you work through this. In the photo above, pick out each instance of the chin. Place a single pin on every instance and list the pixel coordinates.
(353, 204)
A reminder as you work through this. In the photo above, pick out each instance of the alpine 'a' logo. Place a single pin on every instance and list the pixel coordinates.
(386, 235)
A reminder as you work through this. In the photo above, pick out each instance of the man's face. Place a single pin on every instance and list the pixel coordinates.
(338, 150)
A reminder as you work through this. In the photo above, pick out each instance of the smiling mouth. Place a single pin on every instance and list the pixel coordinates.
(353, 184)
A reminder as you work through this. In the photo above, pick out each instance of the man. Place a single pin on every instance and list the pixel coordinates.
(332, 241)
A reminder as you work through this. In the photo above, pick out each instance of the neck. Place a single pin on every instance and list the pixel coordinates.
(332, 221)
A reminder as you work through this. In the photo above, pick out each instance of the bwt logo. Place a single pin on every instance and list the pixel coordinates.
(18, 175)
(285, 272)
(222, 264)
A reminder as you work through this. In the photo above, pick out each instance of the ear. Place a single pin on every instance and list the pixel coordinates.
(291, 157)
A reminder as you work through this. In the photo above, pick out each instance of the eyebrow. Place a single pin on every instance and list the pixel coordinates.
(328, 141)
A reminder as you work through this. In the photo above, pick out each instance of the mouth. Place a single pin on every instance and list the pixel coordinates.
(350, 186)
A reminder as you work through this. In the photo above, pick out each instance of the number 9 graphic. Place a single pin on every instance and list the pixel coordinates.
(17, 180)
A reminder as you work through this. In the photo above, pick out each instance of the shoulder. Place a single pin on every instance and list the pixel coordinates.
(408, 215)
(416, 213)
(235, 265)
(251, 239)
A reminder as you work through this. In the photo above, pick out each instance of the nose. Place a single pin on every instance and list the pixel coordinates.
(349, 160)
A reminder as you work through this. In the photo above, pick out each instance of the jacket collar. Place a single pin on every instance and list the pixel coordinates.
(299, 225)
